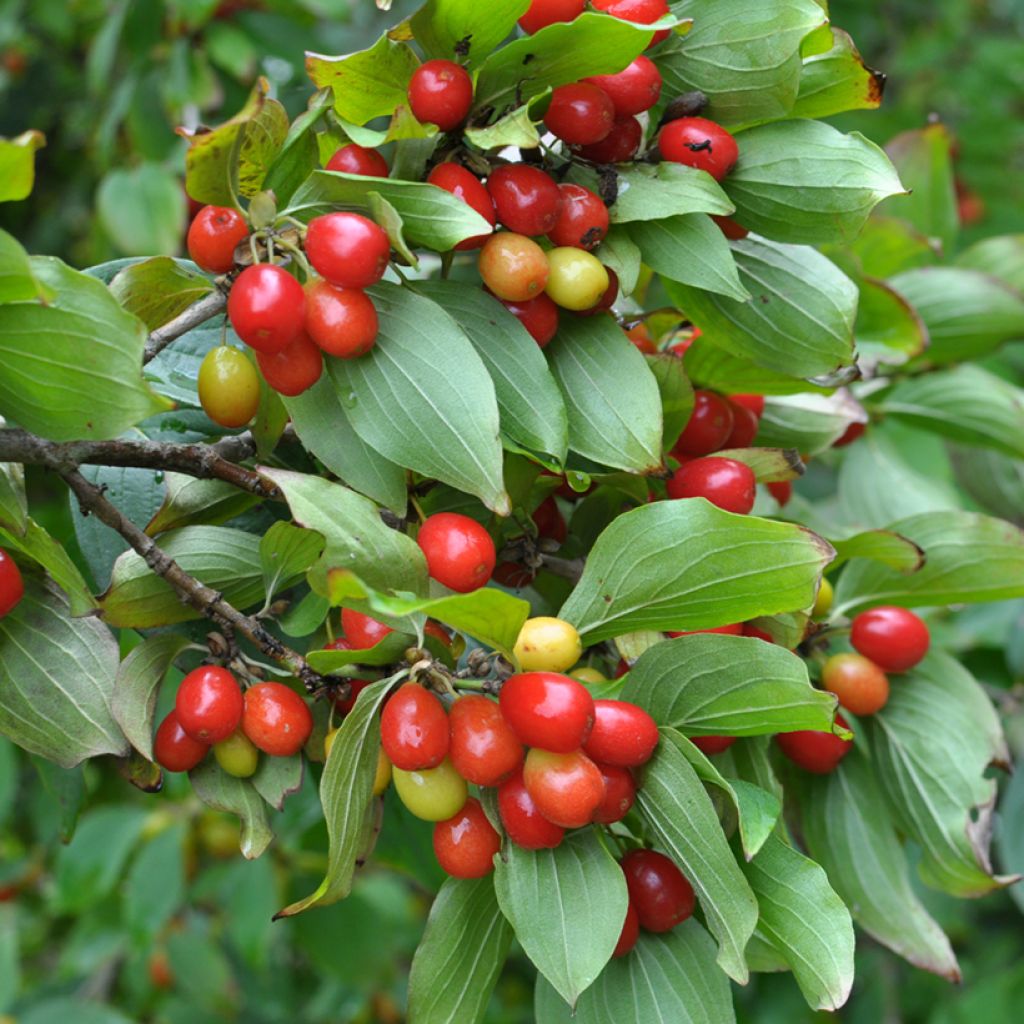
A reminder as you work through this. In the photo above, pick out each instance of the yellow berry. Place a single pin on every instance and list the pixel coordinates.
(586, 674)
(546, 644)
(823, 602)
(433, 794)
(229, 387)
(576, 279)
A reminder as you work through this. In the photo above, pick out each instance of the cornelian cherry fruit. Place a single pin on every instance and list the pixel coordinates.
(550, 522)
(619, 145)
(414, 729)
(733, 629)
(711, 745)
(276, 719)
(861, 686)
(483, 748)
(607, 300)
(547, 710)
(755, 403)
(698, 142)
(12, 586)
(619, 794)
(851, 434)
(640, 336)
(630, 932)
(296, 368)
(632, 90)
(539, 316)
(730, 228)
(514, 267)
(781, 491)
(265, 307)
(174, 749)
(580, 113)
(459, 551)
(362, 631)
(708, 427)
(213, 235)
(466, 186)
(566, 788)
(816, 752)
(209, 704)
(623, 734)
(348, 249)
(894, 638)
(228, 386)
(440, 92)
(526, 199)
(354, 159)
(542, 13)
(355, 687)
(744, 427)
(465, 844)
(658, 889)
(525, 825)
(582, 219)
(342, 321)
(724, 482)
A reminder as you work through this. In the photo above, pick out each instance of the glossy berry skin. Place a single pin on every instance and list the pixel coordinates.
(658, 889)
(440, 92)
(438, 632)
(733, 629)
(623, 734)
(12, 586)
(759, 634)
(608, 299)
(214, 233)
(542, 13)
(265, 307)
(576, 279)
(525, 825)
(618, 146)
(588, 674)
(894, 638)
(514, 267)
(348, 249)
(708, 427)
(642, 12)
(815, 752)
(237, 755)
(459, 551)
(566, 788)
(355, 159)
(634, 89)
(276, 719)
(755, 403)
(781, 491)
(362, 631)
(851, 434)
(466, 843)
(733, 231)
(744, 427)
(539, 316)
(861, 686)
(229, 386)
(547, 710)
(547, 644)
(580, 114)
(414, 729)
(341, 321)
(698, 142)
(582, 220)
(549, 521)
(630, 932)
(173, 748)
(433, 794)
(356, 687)
(209, 704)
(296, 368)
(465, 186)
(483, 749)
(724, 482)
(619, 794)
(711, 745)
(526, 199)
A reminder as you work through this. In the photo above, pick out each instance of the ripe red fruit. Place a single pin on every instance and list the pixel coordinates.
(580, 114)
(755, 403)
(296, 368)
(483, 749)
(512, 574)
(355, 159)
(567, 788)
(356, 687)
(526, 199)
(642, 12)
(265, 307)
(618, 146)
(459, 551)
(174, 749)
(733, 231)
(894, 638)
(582, 219)
(861, 686)
(440, 92)
(549, 521)
(781, 491)
(348, 249)
(640, 336)
(542, 13)
(12, 586)
(465, 186)
(744, 427)
(733, 629)
(817, 752)
(724, 482)
(209, 704)
(658, 889)
(539, 316)
(760, 634)
(630, 932)
(212, 237)
(362, 631)
(276, 719)
(708, 427)
(698, 142)
(342, 321)
(547, 710)
(852, 432)
(414, 729)
(525, 825)
(634, 89)
(465, 844)
(711, 745)
(619, 794)
(623, 734)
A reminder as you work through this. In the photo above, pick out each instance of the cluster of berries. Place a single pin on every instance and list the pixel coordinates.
(12, 586)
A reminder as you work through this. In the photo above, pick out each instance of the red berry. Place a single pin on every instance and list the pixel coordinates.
(734, 629)
(733, 231)
(623, 734)
(542, 13)
(296, 368)
(356, 687)
(755, 403)
(459, 551)
(549, 521)
(526, 199)
(525, 825)
(276, 719)
(621, 668)
(12, 586)
(566, 788)
(641, 12)
(513, 267)
(744, 427)
(641, 338)
(698, 142)
(580, 114)
(861, 686)
(619, 794)
(895, 639)
(484, 750)
(355, 159)
(265, 307)
(711, 745)
(440, 92)
(342, 321)
(213, 236)
(781, 491)
(438, 632)
(348, 249)
(634, 89)
(582, 219)
(724, 482)
(618, 146)
(465, 844)
(760, 634)
(852, 432)
(539, 316)
(708, 427)
(630, 932)
(817, 752)
(513, 575)
(608, 299)
(658, 889)
(174, 749)
(209, 704)
(547, 710)
(414, 729)
(362, 631)
(465, 186)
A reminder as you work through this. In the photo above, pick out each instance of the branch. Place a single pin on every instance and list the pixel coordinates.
(568, 568)
(199, 312)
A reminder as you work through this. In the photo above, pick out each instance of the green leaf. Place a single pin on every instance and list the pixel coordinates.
(38, 545)
(157, 290)
(299, 154)
(743, 54)
(191, 501)
(620, 253)
(614, 426)
(968, 557)
(223, 792)
(82, 344)
(62, 1008)
(13, 503)
(994, 481)
(712, 367)
(17, 282)
(676, 396)
(65, 789)
(390, 220)
(287, 551)
(278, 777)
(848, 830)
(422, 397)
(769, 465)
(154, 888)
(885, 546)
(59, 680)
(709, 685)
(389, 651)
(888, 329)
(803, 181)
(464, 29)
(799, 320)
(804, 920)
(143, 209)
(887, 246)
(808, 422)
(684, 824)
(530, 405)
(356, 537)
(548, 896)
(460, 956)
(518, 128)
(837, 80)
(18, 165)
(689, 565)
(1001, 256)
(932, 744)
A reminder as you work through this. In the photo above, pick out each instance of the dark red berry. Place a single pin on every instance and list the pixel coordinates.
(470, 189)
(174, 749)
(526, 199)
(440, 92)
(619, 794)
(355, 159)
(724, 482)
(582, 220)
(362, 631)
(618, 146)
(608, 299)
(894, 638)
(630, 932)
(525, 825)
(711, 745)
(634, 89)
(744, 427)
(348, 249)
(733, 231)
(755, 403)
(414, 729)
(658, 889)
(781, 491)
(734, 629)
(852, 432)
(539, 316)
(343, 705)
(209, 704)
(708, 427)
(265, 307)
(580, 114)
(459, 551)
(549, 520)
(12, 586)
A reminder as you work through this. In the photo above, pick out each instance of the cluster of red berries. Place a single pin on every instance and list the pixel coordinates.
(12, 586)
(660, 896)
(211, 710)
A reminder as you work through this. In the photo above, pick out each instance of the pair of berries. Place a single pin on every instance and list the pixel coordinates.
(12, 586)
(542, 13)
(660, 896)
(211, 710)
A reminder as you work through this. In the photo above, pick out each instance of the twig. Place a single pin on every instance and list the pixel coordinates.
(199, 312)
(568, 568)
